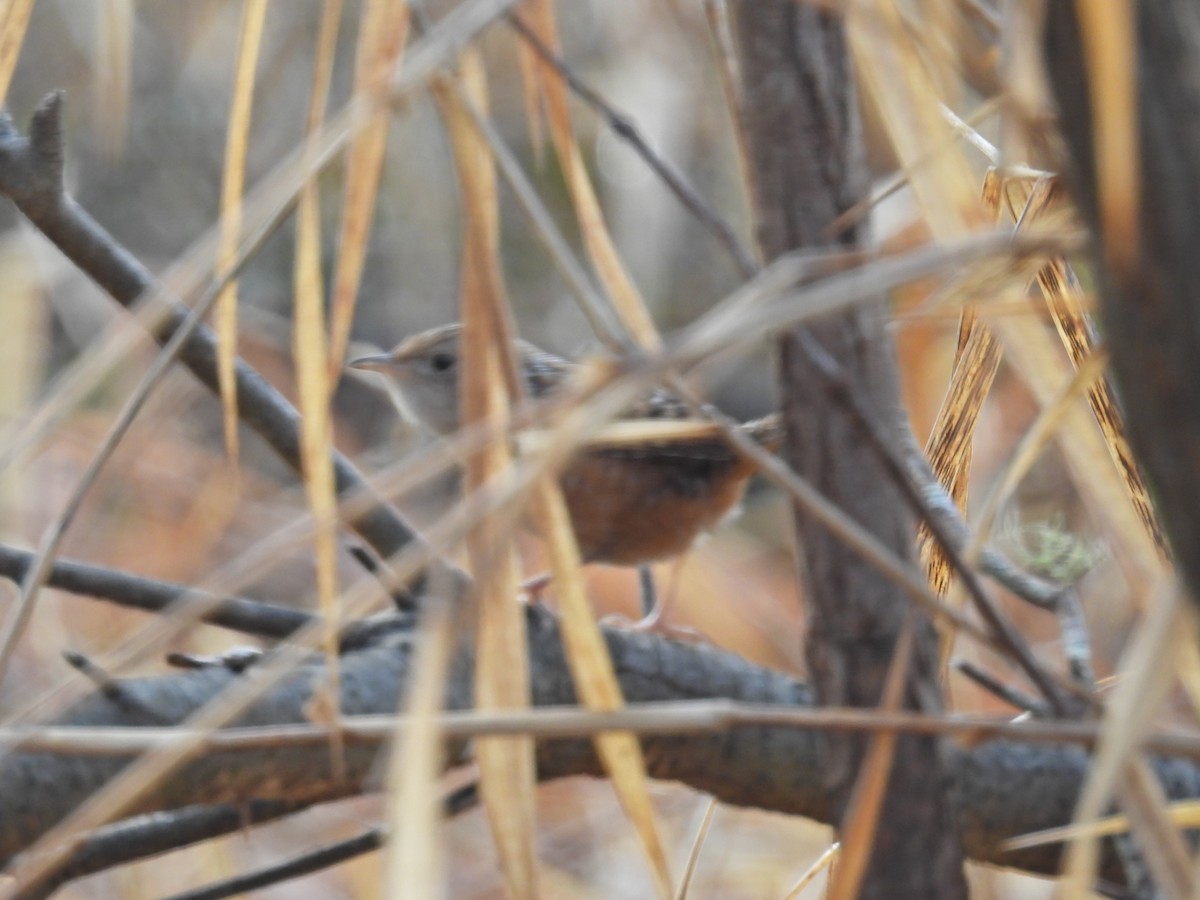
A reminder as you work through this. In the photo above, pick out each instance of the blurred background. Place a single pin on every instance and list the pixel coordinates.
(148, 85)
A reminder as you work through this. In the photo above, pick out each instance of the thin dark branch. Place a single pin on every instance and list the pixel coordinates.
(457, 801)
(462, 799)
(152, 595)
(96, 675)
(1006, 692)
(150, 835)
(305, 864)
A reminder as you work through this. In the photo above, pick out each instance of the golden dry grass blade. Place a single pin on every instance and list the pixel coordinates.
(908, 103)
(1038, 360)
(1035, 439)
(23, 350)
(934, 25)
(327, 35)
(689, 869)
(950, 439)
(861, 820)
(1156, 828)
(316, 427)
(113, 82)
(1184, 813)
(14, 20)
(254, 14)
(1148, 668)
(1062, 293)
(600, 249)
(382, 31)
(313, 388)
(1098, 464)
(1062, 297)
(632, 432)
(822, 862)
(594, 677)
(415, 861)
(1108, 34)
(507, 775)
(1167, 857)
(949, 447)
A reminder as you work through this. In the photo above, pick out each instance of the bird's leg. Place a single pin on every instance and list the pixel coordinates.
(650, 608)
(654, 610)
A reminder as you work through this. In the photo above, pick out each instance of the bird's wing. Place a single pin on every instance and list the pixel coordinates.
(544, 372)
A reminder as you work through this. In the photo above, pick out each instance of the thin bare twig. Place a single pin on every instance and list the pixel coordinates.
(624, 128)
(689, 870)
(1006, 692)
(679, 717)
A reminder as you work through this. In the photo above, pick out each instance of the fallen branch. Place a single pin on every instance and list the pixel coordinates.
(1002, 788)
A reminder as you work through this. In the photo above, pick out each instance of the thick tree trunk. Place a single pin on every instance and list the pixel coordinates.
(807, 165)
(1151, 309)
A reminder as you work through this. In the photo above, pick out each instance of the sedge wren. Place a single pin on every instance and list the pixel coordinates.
(631, 503)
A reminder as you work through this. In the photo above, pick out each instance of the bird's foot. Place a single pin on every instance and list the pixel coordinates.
(656, 624)
(533, 587)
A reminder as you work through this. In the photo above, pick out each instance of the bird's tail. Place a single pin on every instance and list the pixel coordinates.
(767, 431)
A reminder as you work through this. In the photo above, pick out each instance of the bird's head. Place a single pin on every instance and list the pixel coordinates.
(424, 371)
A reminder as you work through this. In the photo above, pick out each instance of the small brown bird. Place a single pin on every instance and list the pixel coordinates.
(631, 503)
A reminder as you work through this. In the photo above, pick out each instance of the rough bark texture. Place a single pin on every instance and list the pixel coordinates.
(807, 165)
(1000, 788)
(1151, 313)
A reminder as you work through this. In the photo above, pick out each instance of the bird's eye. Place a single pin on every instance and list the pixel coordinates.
(441, 362)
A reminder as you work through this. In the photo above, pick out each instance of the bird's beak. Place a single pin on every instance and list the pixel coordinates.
(380, 363)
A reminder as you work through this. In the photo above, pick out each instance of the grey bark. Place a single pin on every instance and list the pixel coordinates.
(806, 159)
